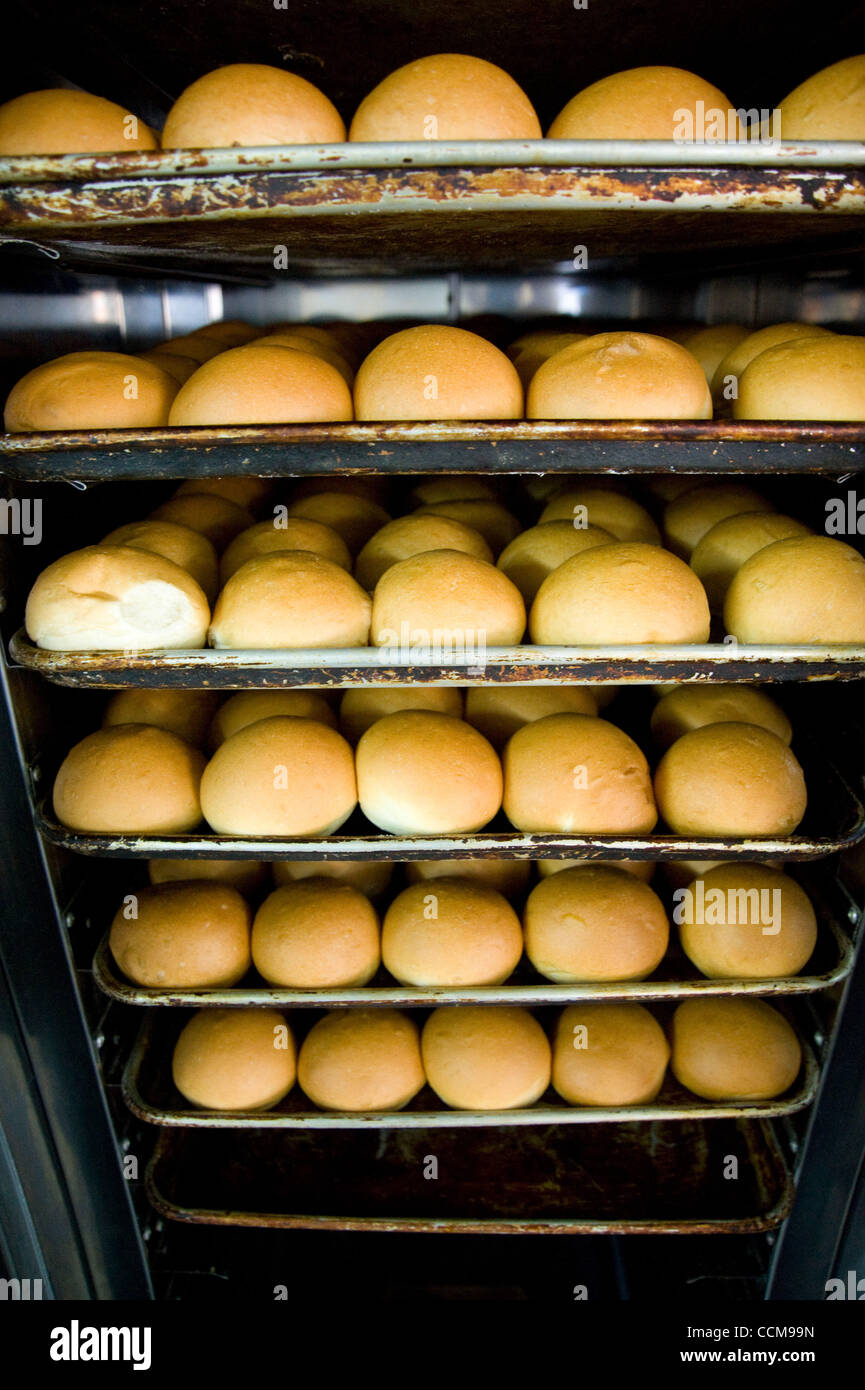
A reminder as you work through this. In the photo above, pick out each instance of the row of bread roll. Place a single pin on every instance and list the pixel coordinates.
(445, 96)
(420, 772)
(486, 1058)
(590, 924)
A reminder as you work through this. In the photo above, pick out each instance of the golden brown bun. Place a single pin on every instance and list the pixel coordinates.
(316, 935)
(280, 776)
(579, 774)
(250, 104)
(369, 876)
(361, 1060)
(711, 345)
(303, 344)
(446, 592)
(726, 379)
(532, 356)
(262, 385)
(451, 489)
(421, 773)
(810, 379)
(595, 923)
(115, 598)
(63, 121)
(489, 519)
(186, 713)
(131, 779)
(179, 368)
(214, 517)
(235, 1059)
(249, 706)
(485, 1058)
(292, 599)
(618, 595)
(589, 506)
(730, 779)
(189, 549)
(355, 519)
(362, 706)
(333, 337)
(246, 875)
(296, 533)
(643, 869)
(734, 1049)
(644, 103)
(509, 877)
(690, 707)
(248, 491)
(497, 711)
(530, 557)
(830, 105)
(90, 391)
(609, 1054)
(413, 535)
(746, 922)
(437, 372)
(183, 936)
(688, 518)
(722, 551)
(230, 332)
(800, 591)
(620, 376)
(451, 931)
(447, 96)
(191, 345)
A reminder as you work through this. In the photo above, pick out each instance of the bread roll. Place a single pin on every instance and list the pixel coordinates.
(729, 780)
(65, 121)
(723, 550)
(619, 595)
(235, 1059)
(688, 518)
(609, 1054)
(488, 519)
(693, 706)
(214, 517)
(444, 602)
(249, 706)
(246, 491)
(535, 553)
(577, 774)
(643, 869)
(246, 875)
(355, 519)
(451, 931)
(250, 104)
(594, 923)
(497, 711)
(710, 345)
(437, 372)
(648, 103)
(230, 332)
(296, 533)
(262, 385)
(369, 876)
(421, 773)
(182, 936)
(303, 344)
(186, 713)
(194, 345)
(414, 535)
(531, 357)
(451, 488)
(509, 877)
(115, 598)
(90, 391)
(362, 706)
(621, 516)
(280, 776)
(485, 1058)
(725, 382)
(179, 368)
(132, 779)
(447, 96)
(620, 376)
(798, 592)
(830, 105)
(810, 379)
(361, 1060)
(291, 599)
(316, 934)
(734, 1049)
(746, 921)
(189, 549)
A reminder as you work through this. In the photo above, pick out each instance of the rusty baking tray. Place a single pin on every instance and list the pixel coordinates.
(626, 1179)
(437, 446)
(151, 1095)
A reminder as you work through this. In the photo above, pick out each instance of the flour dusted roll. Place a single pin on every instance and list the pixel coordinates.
(690, 707)
(498, 711)
(249, 706)
(730, 779)
(186, 713)
(445, 600)
(361, 1060)
(648, 103)
(437, 372)
(480, 1058)
(423, 773)
(291, 599)
(451, 931)
(606, 507)
(63, 120)
(316, 934)
(719, 555)
(810, 379)
(447, 96)
(189, 549)
(576, 773)
(509, 877)
(369, 876)
(745, 921)
(620, 376)
(535, 553)
(90, 391)
(609, 1054)
(130, 779)
(734, 1049)
(217, 518)
(363, 705)
(688, 518)
(235, 1059)
(799, 591)
(115, 598)
(280, 776)
(594, 923)
(829, 105)
(251, 104)
(296, 533)
(183, 936)
(262, 385)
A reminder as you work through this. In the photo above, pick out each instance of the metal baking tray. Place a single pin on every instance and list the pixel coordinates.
(626, 1179)
(436, 446)
(151, 1095)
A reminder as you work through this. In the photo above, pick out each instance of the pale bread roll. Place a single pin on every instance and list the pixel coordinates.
(262, 385)
(183, 936)
(609, 1054)
(489, 519)
(643, 869)
(480, 1058)
(451, 932)
(746, 921)
(249, 706)
(90, 391)
(725, 382)
(647, 103)
(437, 372)
(620, 376)
(235, 1059)
(369, 876)
(132, 779)
(296, 533)
(63, 120)
(446, 96)
(361, 706)
(711, 345)
(246, 490)
(291, 599)
(186, 713)
(246, 875)
(413, 535)
(497, 711)
(722, 551)
(316, 934)
(594, 923)
(446, 602)
(690, 707)
(509, 877)
(189, 549)
(810, 379)
(611, 510)
(830, 105)
(361, 1060)
(734, 1049)
(251, 104)
(730, 780)
(535, 553)
(688, 518)
(217, 518)
(798, 592)
(355, 519)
